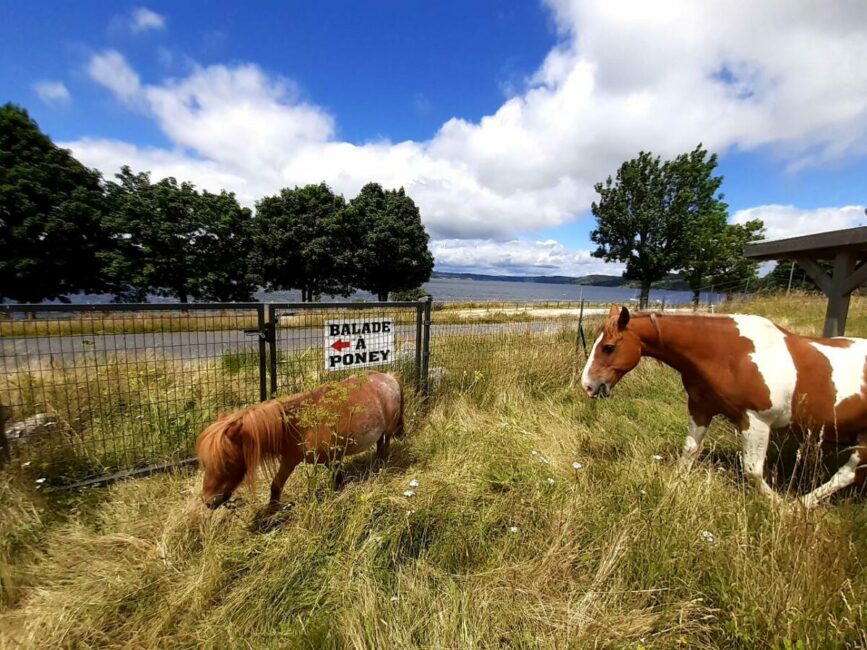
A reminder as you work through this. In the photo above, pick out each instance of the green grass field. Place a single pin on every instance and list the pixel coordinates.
(504, 544)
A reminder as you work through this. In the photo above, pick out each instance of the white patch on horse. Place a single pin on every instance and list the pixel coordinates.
(585, 375)
(775, 366)
(847, 368)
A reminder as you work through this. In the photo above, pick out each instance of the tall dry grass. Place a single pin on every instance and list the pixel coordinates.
(503, 544)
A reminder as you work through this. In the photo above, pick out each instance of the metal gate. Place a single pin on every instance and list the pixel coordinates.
(296, 334)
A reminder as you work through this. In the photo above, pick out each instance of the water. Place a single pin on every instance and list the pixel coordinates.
(450, 290)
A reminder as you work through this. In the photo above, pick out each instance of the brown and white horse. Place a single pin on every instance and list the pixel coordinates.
(756, 374)
(318, 426)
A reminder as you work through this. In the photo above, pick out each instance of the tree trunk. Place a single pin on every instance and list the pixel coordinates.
(383, 296)
(303, 294)
(644, 298)
(183, 297)
(696, 297)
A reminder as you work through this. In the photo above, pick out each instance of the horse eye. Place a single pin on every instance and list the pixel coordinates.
(608, 348)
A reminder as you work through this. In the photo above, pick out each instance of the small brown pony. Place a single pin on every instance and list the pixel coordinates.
(318, 426)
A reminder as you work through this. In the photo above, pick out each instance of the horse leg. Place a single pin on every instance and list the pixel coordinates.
(755, 438)
(853, 471)
(382, 447)
(698, 423)
(283, 472)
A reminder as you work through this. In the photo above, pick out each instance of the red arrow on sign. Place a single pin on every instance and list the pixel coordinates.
(341, 345)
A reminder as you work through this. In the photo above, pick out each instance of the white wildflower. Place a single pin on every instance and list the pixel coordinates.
(40, 481)
(707, 536)
(643, 491)
(409, 493)
(576, 465)
(513, 529)
(542, 459)
(410, 513)
(27, 464)
(657, 457)
(413, 483)
(395, 599)
(550, 481)
(534, 453)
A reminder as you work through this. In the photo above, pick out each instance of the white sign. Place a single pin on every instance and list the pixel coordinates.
(358, 343)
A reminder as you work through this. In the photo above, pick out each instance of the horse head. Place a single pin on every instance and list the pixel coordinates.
(220, 449)
(615, 352)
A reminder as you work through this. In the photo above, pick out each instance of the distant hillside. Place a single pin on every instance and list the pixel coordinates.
(673, 281)
(596, 280)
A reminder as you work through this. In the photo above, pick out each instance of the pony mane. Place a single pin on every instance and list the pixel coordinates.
(261, 431)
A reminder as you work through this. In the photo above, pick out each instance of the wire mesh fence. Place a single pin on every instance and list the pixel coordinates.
(96, 391)
(92, 393)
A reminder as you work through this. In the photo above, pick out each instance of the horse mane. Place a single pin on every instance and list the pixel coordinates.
(261, 430)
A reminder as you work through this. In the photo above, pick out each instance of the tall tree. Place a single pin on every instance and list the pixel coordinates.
(51, 207)
(393, 254)
(650, 215)
(302, 242)
(172, 241)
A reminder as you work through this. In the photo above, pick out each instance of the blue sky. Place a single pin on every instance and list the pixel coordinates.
(497, 117)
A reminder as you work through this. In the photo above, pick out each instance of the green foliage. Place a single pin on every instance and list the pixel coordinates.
(302, 241)
(392, 251)
(660, 216)
(778, 278)
(50, 211)
(410, 294)
(170, 240)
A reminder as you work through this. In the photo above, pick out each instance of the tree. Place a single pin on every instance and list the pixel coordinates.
(172, 241)
(50, 211)
(650, 214)
(302, 242)
(393, 254)
(715, 254)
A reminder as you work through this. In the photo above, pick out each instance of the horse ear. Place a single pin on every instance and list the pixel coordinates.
(623, 319)
(613, 312)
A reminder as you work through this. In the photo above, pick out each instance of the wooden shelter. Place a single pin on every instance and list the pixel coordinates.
(847, 248)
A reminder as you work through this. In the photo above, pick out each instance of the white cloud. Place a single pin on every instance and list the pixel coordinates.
(143, 19)
(625, 75)
(110, 69)
(516, 257)
(783, 221)
(52, 92)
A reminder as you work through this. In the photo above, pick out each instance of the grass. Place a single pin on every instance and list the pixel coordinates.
(624, 552)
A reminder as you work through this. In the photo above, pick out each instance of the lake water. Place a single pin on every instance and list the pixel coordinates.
(450, 290)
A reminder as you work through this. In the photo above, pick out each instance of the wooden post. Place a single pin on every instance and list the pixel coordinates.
(838, 296)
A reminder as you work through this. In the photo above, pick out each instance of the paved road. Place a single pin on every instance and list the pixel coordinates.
(186, 346)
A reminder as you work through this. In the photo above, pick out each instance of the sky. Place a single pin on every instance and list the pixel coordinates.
(496, 116)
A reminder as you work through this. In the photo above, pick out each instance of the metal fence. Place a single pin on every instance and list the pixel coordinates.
(90, 393)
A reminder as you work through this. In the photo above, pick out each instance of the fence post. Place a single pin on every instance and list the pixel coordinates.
(263, 354)
(419, 324)
(271, 334)
(425, 359)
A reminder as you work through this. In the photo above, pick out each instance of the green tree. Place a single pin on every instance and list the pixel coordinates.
(393, 252)
(51, 208)
(302, 242)
(649, 216)
(715, 257)
(171, 240)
